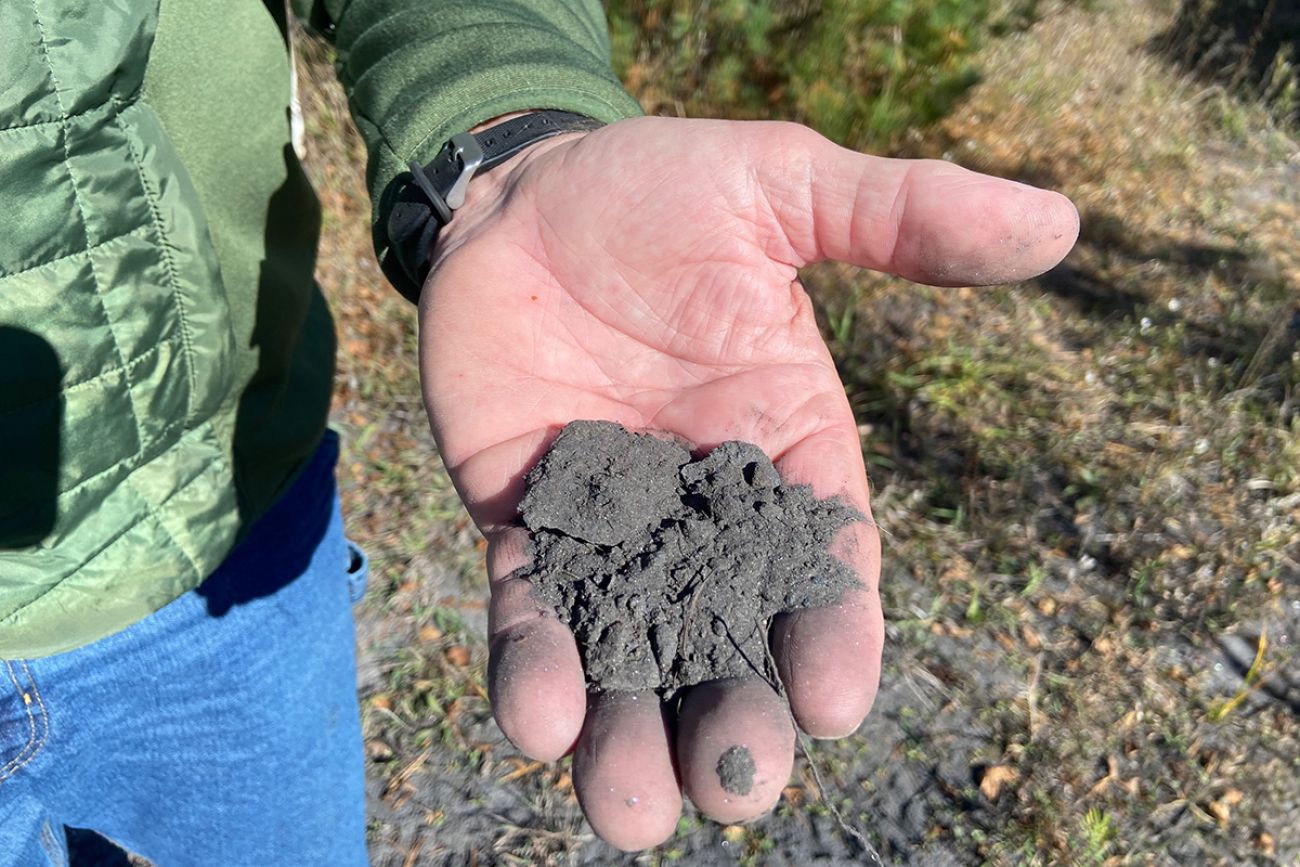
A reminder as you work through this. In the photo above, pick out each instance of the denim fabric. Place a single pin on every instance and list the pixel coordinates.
(221, 730)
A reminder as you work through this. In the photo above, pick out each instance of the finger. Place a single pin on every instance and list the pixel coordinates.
(829, 658)
(925, 220)
(735, 748)
(623, 771)
(491, 482)
(829, 661)
(535, 680)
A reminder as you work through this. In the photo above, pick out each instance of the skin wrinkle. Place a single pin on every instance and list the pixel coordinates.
(611, 384)
(597, 360)
(541, 398)
(627, 221)
(697, 372)
(831, 428)
(681, 365)
(517, 615)
(800, 318)
(897, 213)
(730, 338)
(478, 491)
(507, 554)
(664, 329)
(697, 296)
(744, 198)
(652, 413)
(603, 296)
(551, 234)
(761, 342)
(772, 444)
(621, 269)
(575, 343)
(807, 202)
(589, 325)
(855, 208)
(622, 331)
(816, 422)
(776, 228)
(812, 203)
(451, 240)
(647, 415)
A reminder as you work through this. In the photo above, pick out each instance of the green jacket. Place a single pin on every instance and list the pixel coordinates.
(165, 356)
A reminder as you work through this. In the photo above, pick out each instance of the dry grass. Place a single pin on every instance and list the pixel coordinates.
(1101, 469)
(1091, 484)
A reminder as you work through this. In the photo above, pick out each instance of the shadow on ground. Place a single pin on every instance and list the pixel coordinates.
(1249, 46)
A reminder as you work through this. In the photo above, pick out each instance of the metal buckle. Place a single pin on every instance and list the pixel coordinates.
(465, 148)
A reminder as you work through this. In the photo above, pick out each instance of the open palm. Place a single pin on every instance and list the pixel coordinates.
(646, 274)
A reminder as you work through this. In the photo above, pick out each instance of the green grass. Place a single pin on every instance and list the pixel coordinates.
(860, 71)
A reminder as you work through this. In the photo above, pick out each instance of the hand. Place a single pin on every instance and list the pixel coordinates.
(645, 273)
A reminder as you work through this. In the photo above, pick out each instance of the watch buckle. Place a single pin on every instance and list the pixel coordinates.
(464, 148)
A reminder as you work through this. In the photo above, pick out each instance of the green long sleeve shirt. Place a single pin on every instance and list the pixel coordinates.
(165, 356)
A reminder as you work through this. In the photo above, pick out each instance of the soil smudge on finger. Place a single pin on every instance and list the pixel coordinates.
(669, 567)
(736, 770)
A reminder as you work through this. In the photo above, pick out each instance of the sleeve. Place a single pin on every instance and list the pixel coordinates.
(418, 71)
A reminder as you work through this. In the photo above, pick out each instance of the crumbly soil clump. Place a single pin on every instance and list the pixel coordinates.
(668, 567)
(736, 770)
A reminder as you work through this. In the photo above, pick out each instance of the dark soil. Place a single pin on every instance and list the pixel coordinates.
(668, 567)
(736, 770)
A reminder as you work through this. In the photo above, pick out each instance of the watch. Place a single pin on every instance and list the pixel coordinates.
(426, 198)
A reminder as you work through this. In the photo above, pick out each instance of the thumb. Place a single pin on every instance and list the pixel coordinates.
(925, 220)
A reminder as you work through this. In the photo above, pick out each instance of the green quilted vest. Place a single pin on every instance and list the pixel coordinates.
(165, 358)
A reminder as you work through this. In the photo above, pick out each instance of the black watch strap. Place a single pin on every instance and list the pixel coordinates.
(427, 196)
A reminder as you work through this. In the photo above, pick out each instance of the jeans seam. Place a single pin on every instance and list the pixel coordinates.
(34, 744)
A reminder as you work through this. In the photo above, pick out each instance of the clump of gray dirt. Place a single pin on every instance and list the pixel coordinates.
(668, 567)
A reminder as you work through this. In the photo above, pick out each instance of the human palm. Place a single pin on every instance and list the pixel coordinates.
(646, 274)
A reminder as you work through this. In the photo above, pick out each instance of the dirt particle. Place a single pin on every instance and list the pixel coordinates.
(736, 770)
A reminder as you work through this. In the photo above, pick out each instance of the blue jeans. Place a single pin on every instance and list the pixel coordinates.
(221, 730)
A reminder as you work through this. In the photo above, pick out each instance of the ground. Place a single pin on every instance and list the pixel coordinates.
(1089, 484)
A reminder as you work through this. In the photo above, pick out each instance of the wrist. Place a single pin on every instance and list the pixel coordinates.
(421, 203)
(489, 189)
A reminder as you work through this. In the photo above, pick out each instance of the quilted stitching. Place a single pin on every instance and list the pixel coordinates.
(170, 265)
(85, 224)
(97, 272)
